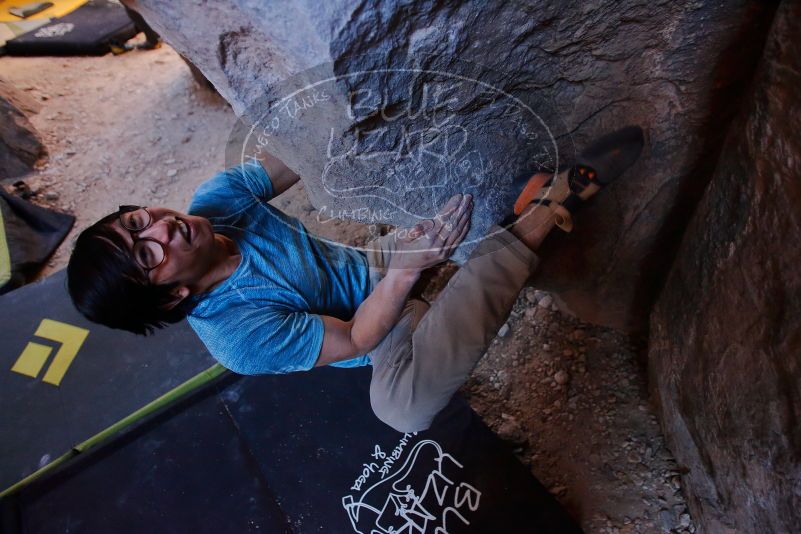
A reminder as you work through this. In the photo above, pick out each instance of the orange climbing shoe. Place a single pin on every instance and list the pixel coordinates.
(565, 190)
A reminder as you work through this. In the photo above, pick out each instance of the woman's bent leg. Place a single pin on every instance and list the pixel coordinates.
(430, 353)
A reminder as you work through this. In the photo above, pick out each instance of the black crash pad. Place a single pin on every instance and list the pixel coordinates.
(30, 234)
(89, 30)
(56, 397)
(294, 453)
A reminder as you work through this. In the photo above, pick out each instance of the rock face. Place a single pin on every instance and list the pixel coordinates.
(20, 144)
(725, 354)
(387, 108)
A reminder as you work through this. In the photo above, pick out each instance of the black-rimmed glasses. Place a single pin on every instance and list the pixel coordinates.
(148, 253)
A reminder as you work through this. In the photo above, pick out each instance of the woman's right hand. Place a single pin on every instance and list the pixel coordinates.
(433, 241)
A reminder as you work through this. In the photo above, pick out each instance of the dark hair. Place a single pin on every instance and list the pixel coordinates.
(108, 287)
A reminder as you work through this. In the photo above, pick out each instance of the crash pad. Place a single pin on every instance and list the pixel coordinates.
(89, 30)
(292, 453)
(64, 379)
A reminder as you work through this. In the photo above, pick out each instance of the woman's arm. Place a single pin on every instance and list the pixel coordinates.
(343, 340)
(430, 243)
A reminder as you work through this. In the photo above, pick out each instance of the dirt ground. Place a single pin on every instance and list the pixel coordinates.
(569, 397)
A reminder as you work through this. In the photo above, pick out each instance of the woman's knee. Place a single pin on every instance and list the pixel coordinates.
(402, 416)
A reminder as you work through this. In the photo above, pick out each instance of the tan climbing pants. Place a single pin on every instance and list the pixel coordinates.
(430, 352)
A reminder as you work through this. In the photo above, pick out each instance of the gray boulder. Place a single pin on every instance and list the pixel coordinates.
(387, 108)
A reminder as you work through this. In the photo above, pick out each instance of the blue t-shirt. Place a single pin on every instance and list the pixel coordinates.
(265, 317)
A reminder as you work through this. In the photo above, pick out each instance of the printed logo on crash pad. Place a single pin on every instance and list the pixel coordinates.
(415, 492)
(35, 355)
(56, 30)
